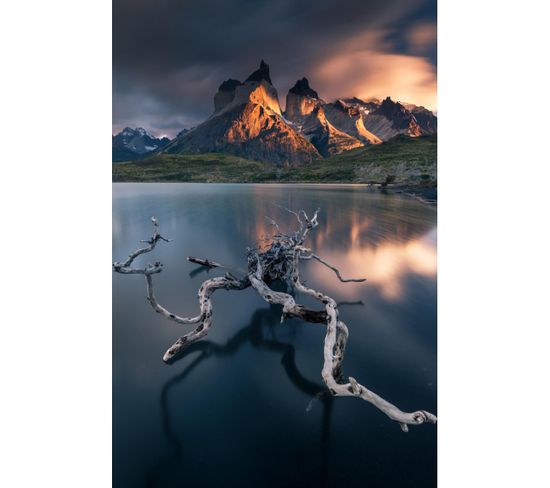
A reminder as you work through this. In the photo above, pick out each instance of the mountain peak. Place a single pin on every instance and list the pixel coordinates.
(302, 88)
(261, 74)
(390, 108)
(402, 120)
(131, 144)
(229, 85)
(138, 131)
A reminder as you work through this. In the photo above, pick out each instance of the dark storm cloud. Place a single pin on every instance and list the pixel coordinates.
(169, 56)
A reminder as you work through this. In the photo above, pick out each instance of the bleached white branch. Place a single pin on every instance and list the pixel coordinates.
(125, 268)
(204, 318)
(333, 353)
(279, 260)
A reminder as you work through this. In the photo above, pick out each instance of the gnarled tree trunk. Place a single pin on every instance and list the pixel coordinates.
(279, 259)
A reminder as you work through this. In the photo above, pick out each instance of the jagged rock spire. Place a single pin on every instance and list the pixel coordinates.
(391, 109)
(302, 88)
(229, 85)
(261, 74)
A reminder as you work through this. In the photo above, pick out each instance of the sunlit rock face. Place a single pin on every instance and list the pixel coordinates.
(304, 109)
(425, 118)
(375, 121)
(247, 121)
(348, 117)
(327, 139)
(301, 100)
(233, 93)
(250, 130)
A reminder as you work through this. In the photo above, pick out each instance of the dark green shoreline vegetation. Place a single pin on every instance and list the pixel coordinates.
(402, 162)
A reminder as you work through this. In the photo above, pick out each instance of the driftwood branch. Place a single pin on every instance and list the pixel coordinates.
(278, 260)
(204, 319)
(336, 270)
(204, 262)
(335, 343)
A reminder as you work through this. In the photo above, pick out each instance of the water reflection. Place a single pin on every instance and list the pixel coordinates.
(229, 400)
(357, 220)
(385, 242)
(386, 266)
(261, 333)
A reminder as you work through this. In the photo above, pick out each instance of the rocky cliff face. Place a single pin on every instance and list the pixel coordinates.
(425, 118)
(391, 119)
(225, 94)
(301, 101)
(251, 131)
(348, 117)
(247, 121)
(305, 110)
(326, 138)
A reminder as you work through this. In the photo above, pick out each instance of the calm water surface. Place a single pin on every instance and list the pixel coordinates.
(240, 407)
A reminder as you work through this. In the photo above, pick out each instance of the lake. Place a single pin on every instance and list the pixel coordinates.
(241, 407)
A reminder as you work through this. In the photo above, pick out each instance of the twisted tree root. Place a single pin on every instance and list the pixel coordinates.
(277, 261)
(204, 319)
(335, 343)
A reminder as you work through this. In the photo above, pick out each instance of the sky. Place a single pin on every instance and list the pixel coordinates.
(170, 56)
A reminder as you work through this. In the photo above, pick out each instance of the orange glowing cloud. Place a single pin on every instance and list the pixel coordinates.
(422, 37)
(364, 67)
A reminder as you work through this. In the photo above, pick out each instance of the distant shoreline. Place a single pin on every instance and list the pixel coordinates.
(405, 165)
(426, 195)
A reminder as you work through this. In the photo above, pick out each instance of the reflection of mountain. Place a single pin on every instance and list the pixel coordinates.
(386, 266)
(260, 333)
(383, 241)
(370, 220)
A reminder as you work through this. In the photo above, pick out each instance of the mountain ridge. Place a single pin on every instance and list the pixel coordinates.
(248, 121)
(132, 144)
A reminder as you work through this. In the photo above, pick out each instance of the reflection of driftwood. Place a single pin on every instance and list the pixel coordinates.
(260, 333)
(277, 260)
(204, 262)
